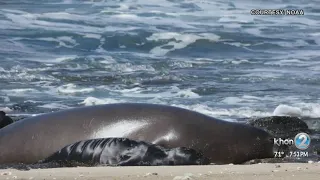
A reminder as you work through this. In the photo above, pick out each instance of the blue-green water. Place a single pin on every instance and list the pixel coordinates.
(208, 56)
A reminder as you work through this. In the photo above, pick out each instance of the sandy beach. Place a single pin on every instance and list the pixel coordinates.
(292, 171)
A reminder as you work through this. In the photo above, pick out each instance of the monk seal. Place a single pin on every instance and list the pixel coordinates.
(123, 152)
(35, 138)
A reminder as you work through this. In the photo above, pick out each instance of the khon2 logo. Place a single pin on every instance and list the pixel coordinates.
(302, 141)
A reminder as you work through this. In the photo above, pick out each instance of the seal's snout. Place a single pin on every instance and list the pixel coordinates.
(4, 120)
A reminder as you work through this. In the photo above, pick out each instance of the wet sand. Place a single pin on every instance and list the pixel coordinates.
(284, 171)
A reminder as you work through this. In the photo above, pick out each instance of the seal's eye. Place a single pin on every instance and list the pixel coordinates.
(124, 157)
(2, 114)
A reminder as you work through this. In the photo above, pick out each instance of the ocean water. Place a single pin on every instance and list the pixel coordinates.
(209, 56)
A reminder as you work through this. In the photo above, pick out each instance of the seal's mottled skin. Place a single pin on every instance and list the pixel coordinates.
(35, 138)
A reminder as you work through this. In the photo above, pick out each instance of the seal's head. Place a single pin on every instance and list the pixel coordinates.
(4, 120)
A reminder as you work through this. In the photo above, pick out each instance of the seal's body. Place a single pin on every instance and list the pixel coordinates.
(123, 152)
(36, 138)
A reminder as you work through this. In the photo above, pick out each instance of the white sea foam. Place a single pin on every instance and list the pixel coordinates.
(237, 44)
(90, 101)
(298, 109)
(232, 100)
(126, 16)
(288, 62)
(93, 36)
(62, 15)
(20, 92)
(55, 60)
(124, 7)
(5, 109)
(28, 20)
(108, 60)
(73, 89)
(54, 106)
(183, 40)
(63, 41)
(18, 69)
(227, 114)
(174, 92)
(5, 99)
(314, 68)
(20, 73)
(249, 100)
(129, 68)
